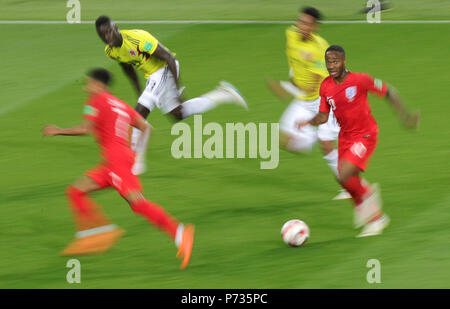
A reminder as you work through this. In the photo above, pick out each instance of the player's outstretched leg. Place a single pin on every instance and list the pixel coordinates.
(224, 93)
(95, 232)
(181, 234)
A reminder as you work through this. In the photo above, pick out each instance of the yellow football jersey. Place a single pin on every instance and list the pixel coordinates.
(306, 62)
(137, 49)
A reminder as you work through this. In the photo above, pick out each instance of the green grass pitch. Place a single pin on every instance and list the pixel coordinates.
(238, 208)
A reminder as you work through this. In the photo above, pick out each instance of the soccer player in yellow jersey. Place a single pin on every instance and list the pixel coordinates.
(139, 50)
(305, 51)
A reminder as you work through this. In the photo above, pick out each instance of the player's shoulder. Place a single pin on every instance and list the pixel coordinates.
(135, 33)
(320, 41)
(292, 30)
(360, 77)
(99, 98)
(114, 101)
(326, 82)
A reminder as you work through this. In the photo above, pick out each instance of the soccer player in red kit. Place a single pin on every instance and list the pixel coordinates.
(110, 120)
(345, 93)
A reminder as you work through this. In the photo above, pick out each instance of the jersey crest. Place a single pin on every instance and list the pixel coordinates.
(350, 93)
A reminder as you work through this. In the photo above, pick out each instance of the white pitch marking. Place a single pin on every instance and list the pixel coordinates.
(169, 22)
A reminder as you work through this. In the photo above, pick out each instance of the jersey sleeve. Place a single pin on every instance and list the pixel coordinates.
(324, 107)
(91, 109)
(319, 66)
(148, 42)
(374, 85)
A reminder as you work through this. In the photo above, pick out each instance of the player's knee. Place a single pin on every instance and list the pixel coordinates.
(327, 147)
(142, 110)
(177, 113)
(133, 198)
(297, 143)
(72, 191)
(284, 139)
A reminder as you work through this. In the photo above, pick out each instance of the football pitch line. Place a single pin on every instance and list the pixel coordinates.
(233, 22)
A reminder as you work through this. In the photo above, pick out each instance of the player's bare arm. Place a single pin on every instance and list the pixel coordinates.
(132, 75)
(82, 129)
(318, 119)
(409, 119)
(163, 53)
(276, 87)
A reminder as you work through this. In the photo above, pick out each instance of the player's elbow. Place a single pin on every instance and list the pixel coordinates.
(323, 118)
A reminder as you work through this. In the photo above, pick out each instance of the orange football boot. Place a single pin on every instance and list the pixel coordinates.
(185, 249)
(93, 244)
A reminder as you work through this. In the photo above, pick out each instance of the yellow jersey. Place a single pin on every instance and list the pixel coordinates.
(137, 49)
(306, 62)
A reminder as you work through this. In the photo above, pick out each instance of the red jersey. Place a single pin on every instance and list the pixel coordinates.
(112, 120)
(349, 103)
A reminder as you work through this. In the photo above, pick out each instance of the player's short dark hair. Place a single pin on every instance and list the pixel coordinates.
(312, 12)
(101, 75)
(102, 20)
(336, 48)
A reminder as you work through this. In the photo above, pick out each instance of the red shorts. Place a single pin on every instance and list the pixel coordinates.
(357, 150)
(119, 177)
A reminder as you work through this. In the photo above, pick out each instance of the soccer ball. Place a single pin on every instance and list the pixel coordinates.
(295, 232)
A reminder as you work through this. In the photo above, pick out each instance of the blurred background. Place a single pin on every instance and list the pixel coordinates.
(238, 208)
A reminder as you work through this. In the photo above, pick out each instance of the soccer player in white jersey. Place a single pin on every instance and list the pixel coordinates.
(139, 50)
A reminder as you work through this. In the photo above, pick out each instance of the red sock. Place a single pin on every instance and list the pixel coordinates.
(356, 189)
(86, 212)
(156, 215)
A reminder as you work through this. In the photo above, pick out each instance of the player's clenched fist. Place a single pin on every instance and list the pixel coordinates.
(50, 130)
(411, 120)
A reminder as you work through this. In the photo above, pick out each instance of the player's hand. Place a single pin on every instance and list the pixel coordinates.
(301, 124)
(411, 120)
(279, 91)
(50, 130)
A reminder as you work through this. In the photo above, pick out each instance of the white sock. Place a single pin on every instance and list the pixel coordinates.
(197, 106)
(179, 234)
(332, 161)
(135, 137)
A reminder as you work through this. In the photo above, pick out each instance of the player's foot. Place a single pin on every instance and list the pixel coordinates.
(185, 248)
(375, 227)
(93, 244)
(343, 195)
(139, 166)
(227, 93)
(369, 208)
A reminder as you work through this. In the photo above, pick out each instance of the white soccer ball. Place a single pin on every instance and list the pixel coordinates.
(295, 232)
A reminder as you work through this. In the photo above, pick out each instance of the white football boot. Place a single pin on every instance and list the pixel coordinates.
(343, 195)
(226, 93)
(375, 227)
